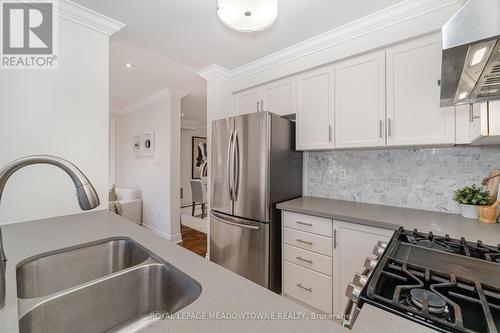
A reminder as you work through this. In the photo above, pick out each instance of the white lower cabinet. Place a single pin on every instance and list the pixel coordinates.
(308, 241)
(312, 288)
(319, 261)
(354, 243)
(314, 261)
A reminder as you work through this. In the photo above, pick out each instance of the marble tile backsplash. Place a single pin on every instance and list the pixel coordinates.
(414, 178)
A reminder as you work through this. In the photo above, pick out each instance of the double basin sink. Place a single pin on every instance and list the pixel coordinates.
(113, 285)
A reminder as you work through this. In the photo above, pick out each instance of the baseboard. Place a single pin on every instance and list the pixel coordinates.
(174, 238)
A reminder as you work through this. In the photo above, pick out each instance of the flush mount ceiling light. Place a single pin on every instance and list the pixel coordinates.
(247, 15)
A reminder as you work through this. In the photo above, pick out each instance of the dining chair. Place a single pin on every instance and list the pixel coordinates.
(198, 195)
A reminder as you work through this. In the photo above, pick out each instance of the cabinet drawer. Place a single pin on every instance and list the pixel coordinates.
(310, 287)
(308, 259)
(308, 241)
(314, 224)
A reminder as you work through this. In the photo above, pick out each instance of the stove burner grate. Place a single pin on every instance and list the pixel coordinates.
(457, 246)
(440, 300)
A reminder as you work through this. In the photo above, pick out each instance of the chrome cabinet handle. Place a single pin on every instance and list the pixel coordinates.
(303, 223)
(303, 241)
(262, 105)
(389, 127)
(305, 288)
(305, 260)
(334, 238)
(258, 103)
(381, 128)
(329, 133)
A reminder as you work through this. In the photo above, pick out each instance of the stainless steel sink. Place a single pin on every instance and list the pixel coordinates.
(53, 272)
(130, 285)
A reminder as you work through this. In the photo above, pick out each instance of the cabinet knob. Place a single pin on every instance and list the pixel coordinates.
(370, 263)
(360, 280)
(353, 292)
(382, 244)
(378, 251)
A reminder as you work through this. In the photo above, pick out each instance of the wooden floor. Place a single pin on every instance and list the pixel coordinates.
(194, 241)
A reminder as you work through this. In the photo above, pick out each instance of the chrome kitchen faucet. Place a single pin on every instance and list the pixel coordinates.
(85, 192)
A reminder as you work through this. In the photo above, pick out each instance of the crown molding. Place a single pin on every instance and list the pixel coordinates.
(399, 13)
(216, 71)
(145, 102)
(76, 13)
(149, 100)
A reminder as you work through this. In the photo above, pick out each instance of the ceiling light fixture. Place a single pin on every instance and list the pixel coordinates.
(247, 15)
(129, 65)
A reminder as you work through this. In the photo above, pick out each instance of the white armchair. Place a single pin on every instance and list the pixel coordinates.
(131, 204)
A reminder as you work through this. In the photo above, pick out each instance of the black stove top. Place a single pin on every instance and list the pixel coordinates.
(457, 246)
(451, 285)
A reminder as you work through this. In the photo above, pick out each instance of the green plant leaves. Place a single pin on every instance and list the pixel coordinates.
(472, 195)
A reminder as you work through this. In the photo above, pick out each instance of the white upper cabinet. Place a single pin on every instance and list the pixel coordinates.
(279, 97)
(360, 101)
(315, 109)
(414, 116)
(248, 101)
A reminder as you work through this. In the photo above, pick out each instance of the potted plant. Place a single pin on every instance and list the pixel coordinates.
(469, 197)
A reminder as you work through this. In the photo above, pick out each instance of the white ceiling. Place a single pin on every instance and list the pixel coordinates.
(188, 32)
(151, 73)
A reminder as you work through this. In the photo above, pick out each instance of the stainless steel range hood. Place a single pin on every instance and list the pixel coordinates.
(471, 54)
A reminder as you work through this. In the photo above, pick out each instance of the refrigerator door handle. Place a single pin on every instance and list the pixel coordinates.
(240, 225)
(229, 166)
(236, 166)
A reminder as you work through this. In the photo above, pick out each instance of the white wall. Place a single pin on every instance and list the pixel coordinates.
(158, 177)
(61, 112)
(186, 160)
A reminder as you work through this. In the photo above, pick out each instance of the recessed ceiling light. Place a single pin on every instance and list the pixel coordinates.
(247, 15)
(129, 65)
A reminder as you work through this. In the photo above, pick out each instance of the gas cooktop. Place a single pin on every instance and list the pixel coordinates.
(451, 285)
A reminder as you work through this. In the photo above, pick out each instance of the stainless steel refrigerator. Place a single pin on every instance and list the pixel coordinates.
(254, 166)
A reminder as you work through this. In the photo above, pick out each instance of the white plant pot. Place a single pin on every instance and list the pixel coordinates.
(469, 211)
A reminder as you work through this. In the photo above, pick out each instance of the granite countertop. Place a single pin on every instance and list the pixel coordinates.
(388, 217)
(222, 290)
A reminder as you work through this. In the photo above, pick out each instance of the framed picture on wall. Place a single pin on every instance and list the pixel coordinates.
(199, 155)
